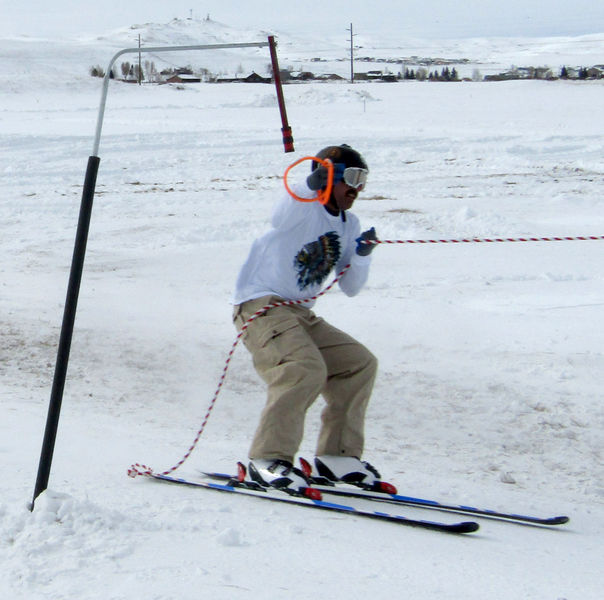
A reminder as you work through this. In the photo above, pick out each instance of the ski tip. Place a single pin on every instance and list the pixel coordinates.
(557, 520)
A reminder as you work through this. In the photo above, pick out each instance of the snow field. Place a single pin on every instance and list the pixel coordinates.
(490, 354)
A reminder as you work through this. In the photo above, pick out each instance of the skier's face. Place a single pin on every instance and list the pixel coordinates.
(343, 196)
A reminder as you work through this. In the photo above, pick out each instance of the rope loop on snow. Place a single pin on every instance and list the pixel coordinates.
(143, 470)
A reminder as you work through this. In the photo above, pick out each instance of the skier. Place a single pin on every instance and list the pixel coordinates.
(298, 354)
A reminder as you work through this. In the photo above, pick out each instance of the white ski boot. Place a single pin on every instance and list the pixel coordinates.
(281, 475)
(349, 469)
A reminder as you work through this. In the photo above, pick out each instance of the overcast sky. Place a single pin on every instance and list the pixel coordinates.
(418, 18)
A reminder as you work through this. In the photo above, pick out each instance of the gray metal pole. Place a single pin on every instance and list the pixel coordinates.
(101, 113)
(77, 267)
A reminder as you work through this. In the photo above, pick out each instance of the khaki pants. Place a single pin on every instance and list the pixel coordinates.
(300, 356)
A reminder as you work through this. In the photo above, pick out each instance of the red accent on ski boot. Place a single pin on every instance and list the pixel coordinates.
(385, 487)
(241, 472)
(312, 493)
(306, 467)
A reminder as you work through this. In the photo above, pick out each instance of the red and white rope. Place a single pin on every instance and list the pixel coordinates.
(139, 469)
(490, 240)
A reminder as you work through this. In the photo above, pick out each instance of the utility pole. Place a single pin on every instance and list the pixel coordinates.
(351, 54)
(140, 68)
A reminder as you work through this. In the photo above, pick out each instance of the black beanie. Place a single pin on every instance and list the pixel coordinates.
(341, 154)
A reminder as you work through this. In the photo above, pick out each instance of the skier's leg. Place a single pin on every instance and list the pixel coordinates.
(351, 371)
(286, 357)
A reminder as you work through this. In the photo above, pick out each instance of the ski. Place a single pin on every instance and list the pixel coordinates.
(342, 490)
(433, 504)
(250, 488)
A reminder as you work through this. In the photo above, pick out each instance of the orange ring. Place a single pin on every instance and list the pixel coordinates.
(322, 196)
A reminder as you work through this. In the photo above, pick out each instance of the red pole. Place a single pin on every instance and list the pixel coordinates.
(288, 140)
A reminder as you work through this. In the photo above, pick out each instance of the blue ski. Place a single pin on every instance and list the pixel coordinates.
(249, 488)
(347, 492)
(433, 504)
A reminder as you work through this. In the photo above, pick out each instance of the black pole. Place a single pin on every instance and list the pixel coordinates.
(71, 303)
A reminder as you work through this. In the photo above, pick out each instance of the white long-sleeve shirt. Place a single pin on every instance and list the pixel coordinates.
(294, 259)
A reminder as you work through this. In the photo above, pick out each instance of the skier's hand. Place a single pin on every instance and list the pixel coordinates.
(366, 249)
(317, 180)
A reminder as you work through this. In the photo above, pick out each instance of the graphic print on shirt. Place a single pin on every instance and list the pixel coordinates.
(316, 259)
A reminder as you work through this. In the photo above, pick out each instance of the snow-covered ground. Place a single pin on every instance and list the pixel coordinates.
(490, 387)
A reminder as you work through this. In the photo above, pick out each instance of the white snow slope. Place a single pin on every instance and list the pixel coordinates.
(491, 355)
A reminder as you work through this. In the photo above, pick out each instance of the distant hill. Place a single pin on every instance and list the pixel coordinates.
(66, 62)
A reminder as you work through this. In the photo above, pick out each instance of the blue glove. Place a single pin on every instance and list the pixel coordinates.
(317, 180)
(366, 249)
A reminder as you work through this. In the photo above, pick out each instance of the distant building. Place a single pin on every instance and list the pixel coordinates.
(183, 78)
(374, 76)
(330, 77)
(255, 78)
(302, 76)
(252, 78)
